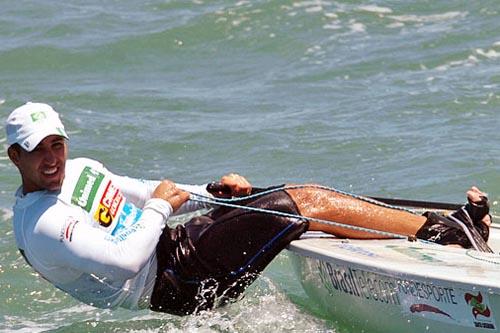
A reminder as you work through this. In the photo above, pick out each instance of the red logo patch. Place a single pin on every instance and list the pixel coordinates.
(67, 229)
(109, 204)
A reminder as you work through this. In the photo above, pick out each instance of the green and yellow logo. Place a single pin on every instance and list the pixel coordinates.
(86, 188)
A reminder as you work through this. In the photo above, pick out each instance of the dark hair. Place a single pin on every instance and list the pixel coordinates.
(15, 146)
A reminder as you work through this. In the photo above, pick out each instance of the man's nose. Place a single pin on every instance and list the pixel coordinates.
(50, 157)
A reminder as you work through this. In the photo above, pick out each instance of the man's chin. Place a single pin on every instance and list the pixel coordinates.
(54, 186)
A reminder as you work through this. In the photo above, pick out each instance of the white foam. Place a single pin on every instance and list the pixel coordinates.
(312, 3)
(314, 49)
(470, 61)
(396, 25)
(331, 15)
(428, 18)
(376, 9)
(314, 9)
(7, 214)
(28, 326)
(332, 26)
(490, 54)
(266, 310)
(53, 320)
(238, 22)
(356, 26)
(242, 3)
(491, 96)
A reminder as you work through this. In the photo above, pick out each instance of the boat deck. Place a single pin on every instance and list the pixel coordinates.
(396, 285)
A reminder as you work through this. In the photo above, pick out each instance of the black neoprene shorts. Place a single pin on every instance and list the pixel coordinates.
(211, 259)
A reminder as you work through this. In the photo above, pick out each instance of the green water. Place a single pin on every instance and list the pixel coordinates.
(383, 97)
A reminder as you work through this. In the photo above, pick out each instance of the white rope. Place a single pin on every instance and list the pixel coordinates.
(320, 187)
(229, 203)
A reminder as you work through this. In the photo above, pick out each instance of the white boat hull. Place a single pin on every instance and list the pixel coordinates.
(400, 286)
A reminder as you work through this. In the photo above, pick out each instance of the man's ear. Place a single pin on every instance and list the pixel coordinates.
(13, 153)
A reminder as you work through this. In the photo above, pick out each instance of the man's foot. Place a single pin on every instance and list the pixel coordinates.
(474, 215)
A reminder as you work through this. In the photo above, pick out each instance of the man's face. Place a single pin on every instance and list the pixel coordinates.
(44, 167)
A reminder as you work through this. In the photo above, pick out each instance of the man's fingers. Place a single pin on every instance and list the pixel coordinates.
(487, 220)
(167, 191)
(178, 198)
(475, 195)
(238, 184)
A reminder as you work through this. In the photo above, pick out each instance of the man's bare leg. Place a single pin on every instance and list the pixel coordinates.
(327, 205)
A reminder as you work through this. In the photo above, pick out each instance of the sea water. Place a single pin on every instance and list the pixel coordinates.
(388, 98)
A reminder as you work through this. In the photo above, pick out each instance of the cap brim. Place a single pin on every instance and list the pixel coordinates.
(33, 140)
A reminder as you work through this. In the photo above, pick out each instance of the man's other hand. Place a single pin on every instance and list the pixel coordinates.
(238, 185)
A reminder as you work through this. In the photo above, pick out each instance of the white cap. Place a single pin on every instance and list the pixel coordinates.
(31, 123)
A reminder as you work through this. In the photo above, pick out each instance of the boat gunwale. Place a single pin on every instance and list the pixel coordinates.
(303, 247)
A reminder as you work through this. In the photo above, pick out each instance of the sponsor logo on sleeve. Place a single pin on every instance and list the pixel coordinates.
(67, 229)
(108, 206)
(86, 188)
(127, 223)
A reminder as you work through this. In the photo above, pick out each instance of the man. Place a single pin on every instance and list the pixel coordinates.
(103, 238)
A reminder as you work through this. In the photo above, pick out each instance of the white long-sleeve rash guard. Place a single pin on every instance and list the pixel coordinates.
(96, 238)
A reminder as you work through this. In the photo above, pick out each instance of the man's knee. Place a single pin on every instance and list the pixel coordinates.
(279, 201)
